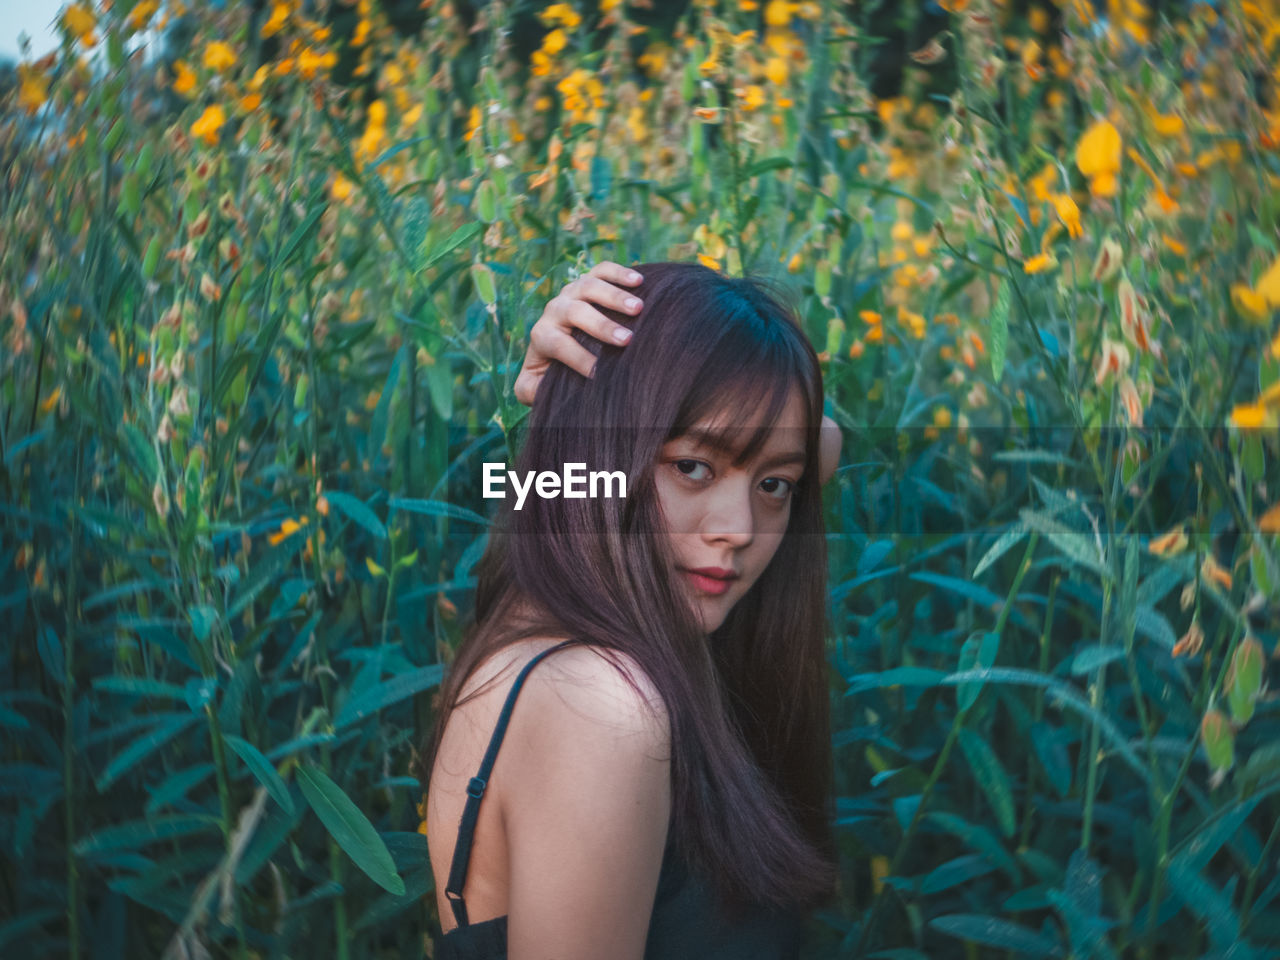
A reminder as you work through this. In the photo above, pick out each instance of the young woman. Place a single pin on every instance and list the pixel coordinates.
(664, 788)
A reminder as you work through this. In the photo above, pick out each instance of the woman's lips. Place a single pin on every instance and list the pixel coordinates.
(713, 585)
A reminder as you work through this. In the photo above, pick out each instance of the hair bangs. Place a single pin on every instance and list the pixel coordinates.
(732, 394)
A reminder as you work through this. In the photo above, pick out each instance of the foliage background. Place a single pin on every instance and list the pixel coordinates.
(264, 286)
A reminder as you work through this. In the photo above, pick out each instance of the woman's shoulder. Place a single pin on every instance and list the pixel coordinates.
(586, 684)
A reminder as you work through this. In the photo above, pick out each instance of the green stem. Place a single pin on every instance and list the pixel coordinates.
(228, 818)
(952, 735)
(68, 729)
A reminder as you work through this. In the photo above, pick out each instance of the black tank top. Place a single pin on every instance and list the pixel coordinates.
(687, 920)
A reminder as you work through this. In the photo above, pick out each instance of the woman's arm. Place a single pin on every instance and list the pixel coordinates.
(586, 804)
(551, 339)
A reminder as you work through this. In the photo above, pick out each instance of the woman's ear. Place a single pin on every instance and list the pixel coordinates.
(828, 449)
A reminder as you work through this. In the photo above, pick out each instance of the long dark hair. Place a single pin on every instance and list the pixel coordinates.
(748, 706)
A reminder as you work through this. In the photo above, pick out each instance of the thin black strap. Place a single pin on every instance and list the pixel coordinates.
(475, 791)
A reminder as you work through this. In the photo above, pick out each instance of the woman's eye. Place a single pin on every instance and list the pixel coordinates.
(777, 487)
(691, 468)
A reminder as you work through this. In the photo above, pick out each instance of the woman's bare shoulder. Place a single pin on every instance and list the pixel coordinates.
(588, 684)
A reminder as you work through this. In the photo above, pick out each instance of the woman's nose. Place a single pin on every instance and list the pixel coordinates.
(728, 518)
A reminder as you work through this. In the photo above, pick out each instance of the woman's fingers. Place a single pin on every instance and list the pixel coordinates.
(575, 310)
(829, 444)
(551, 337)
(615, 273)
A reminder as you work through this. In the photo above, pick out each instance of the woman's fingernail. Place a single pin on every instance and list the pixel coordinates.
(622, 334)
(634, 277)
(632, 303)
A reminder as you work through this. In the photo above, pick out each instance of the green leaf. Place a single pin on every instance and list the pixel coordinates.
(1080, 548)
(1206, 902)
(1092, 657)
(977, 838)
(262, 770)
(385, 694)
(453, 241)
(897, 676)
(139, 833)
(979, 650)
(350, 828)
(955, 872)
(998, 549)
(999, 330)
(482, 277)
(1244, 679)
(994, 932)
(1067, 697)
(300, 233)
(436, 508)
(991, 776)
(136, 751)
(139, 687)
(356, 510)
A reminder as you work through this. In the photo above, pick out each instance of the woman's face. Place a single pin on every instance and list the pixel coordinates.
(725, 522)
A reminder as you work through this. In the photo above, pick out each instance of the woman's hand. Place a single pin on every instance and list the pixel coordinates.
(551, 339)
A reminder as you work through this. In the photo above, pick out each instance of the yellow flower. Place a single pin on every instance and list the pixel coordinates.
(209, 124)
(33, 89)
(1039, 263)
(1167, 124)
(1268, 285)
(554, 42)
(250, 102)
(870, 317)
(79, 21)
(311, 63)
(1098, 157)
(1068, 213)
(942, 417)
(561, 13)
(1248, 416)
(473, 122)
(341, 188)
(141, 15)
(1250, 304)
(218, 56)
(775, 71)
(275, 23)
(752, 97)
(185, 81)
(778, 13)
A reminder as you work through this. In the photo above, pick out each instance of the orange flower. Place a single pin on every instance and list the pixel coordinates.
(1108, 262)
(1169, 544)
(1191, 641)
(1211, 570)
(1269, 522)
(1131, 401)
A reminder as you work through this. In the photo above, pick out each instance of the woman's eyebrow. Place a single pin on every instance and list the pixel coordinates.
(715, 440)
